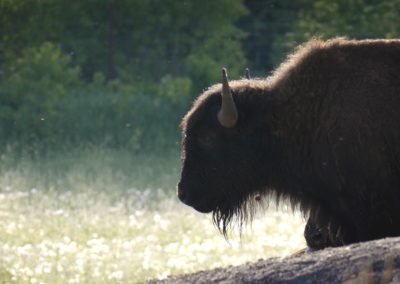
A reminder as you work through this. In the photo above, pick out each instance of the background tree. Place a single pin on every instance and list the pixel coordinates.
(266, 22)
(353, 18)
(128, 62)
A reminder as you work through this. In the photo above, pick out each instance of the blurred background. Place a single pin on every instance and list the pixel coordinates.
(91, 96)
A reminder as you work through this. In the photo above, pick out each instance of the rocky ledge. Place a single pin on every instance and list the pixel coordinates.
(370, 262)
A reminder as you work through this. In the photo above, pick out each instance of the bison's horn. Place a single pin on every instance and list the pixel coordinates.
(247, 73)
(227, 115)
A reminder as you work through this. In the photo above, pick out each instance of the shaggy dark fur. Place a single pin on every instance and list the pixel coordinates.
(323, 131)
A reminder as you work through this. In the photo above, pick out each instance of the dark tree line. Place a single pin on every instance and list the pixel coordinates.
(154, 56)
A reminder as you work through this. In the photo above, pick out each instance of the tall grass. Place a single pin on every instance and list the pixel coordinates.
(98, 215)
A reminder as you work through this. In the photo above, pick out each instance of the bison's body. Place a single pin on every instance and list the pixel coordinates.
(323, 131)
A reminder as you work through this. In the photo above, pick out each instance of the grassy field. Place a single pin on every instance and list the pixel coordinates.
(101, 216)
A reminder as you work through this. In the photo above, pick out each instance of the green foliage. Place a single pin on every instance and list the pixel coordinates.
(175, 89)
(147, 39)
(355, 18)
(265, 24)
(122, 73)
(135, 121)
(162, 53)
(351, 18)
(205, 63)
(33, 85)
(45, 102)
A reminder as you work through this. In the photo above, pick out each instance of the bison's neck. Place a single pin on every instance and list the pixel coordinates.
(280, 121)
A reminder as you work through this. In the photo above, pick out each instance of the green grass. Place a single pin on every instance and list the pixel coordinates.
(100, 216)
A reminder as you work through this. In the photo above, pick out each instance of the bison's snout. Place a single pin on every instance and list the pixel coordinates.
(184, 193)
(187, 194)
(181, 193)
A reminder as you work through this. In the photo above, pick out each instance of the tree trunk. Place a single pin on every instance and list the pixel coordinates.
(111, 70)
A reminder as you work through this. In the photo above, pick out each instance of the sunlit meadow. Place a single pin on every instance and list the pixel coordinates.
(97, 216)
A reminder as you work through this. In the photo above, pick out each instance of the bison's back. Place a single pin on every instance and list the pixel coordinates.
(360, 107)
(341, 101)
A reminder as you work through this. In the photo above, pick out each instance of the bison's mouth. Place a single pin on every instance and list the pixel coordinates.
(202, 204)
(204, 207)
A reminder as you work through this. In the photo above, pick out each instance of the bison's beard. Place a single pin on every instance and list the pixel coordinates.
(241, 208)
(235, 210)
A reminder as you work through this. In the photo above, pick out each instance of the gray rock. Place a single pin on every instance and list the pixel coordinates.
(370, 262)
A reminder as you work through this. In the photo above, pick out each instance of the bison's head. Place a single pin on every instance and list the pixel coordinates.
(227, 151)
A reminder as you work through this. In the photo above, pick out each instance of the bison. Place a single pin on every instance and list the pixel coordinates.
(322, 132)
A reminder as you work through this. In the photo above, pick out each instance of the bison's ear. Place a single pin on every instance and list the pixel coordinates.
(227, 115)
(247, 73)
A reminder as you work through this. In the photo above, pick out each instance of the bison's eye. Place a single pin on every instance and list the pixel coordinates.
(207, 140)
